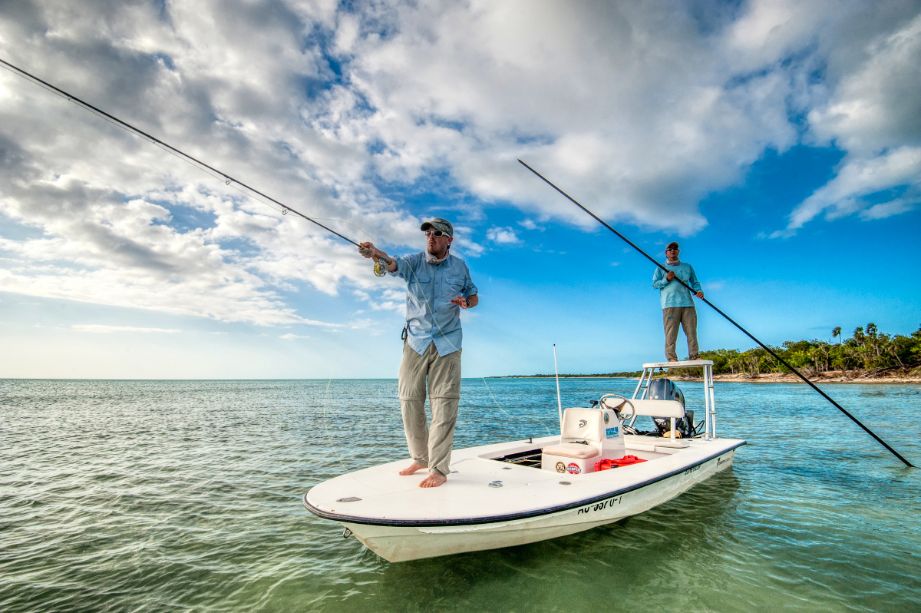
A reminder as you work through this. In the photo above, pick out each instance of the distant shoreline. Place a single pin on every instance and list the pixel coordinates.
(833, 376)
(868, 356)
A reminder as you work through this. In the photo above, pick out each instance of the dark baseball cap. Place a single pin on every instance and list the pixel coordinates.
(437, 223)
(672, 245)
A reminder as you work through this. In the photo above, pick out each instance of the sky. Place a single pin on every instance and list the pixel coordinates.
(778, 141)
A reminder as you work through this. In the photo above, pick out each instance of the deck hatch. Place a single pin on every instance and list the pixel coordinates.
(529, 458)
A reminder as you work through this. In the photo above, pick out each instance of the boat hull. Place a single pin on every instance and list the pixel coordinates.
(398, 540)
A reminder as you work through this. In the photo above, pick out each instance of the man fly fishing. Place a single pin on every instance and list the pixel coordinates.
(438, 285)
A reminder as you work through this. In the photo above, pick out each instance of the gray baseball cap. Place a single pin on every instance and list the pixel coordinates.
(437, 223)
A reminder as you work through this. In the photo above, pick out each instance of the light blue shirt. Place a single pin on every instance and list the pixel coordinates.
(672, 293)
(430, 316)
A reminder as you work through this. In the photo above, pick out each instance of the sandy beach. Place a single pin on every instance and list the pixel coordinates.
(911, 377)
(832, 376)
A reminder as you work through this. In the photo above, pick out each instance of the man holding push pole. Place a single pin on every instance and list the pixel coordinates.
(438, 285)
(677, 303)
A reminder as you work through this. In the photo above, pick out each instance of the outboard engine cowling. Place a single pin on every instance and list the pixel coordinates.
(665, 389)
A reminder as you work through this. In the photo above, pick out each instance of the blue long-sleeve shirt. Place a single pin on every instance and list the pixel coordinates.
(430, 315)
(672, 293)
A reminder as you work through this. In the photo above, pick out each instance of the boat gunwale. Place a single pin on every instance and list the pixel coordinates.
(490, 519)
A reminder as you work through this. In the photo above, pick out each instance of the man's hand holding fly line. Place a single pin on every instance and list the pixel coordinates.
(368, 250)
(466, 303)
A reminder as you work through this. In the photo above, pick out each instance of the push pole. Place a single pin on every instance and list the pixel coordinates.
(727, 317)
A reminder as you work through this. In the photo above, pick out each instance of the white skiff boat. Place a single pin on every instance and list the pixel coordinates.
(524, 491)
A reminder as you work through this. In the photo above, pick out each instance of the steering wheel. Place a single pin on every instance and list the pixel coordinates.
(609, 401)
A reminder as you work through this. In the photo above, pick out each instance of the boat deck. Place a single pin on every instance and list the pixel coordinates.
(499, 482)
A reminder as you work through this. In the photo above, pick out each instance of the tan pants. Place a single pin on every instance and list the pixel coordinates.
(687, 317)
(430, 446)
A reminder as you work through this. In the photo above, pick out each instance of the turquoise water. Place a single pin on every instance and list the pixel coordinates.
(178, 495)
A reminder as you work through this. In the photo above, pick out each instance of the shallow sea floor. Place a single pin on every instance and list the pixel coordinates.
(169, 495)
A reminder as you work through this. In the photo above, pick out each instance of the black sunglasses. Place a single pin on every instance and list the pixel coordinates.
(436, 233)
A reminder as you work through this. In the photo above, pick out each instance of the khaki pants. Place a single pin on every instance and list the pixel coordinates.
(430, 446)
(687, 317)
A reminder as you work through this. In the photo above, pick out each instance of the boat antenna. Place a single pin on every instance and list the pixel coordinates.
(228, 179)
(727, 317)
(559, 400)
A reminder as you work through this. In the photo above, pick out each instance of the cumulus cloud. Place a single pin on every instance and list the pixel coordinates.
(873, 112)
(502, 236)
(640, 110)
(629, 109)
(859, 178)
(877, 105)
(529, 224)
(348, 111)
(110, 219)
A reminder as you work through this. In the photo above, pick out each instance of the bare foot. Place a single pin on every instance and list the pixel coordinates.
(434, 479)
(412, 469)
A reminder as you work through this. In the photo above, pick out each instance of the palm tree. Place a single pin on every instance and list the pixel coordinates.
(836, 333)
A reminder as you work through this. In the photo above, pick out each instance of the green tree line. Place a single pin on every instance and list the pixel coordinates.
(867, 350)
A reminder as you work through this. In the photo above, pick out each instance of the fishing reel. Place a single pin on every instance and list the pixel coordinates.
(380, 263)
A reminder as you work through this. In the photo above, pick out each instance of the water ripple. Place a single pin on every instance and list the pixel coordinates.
(186, 495)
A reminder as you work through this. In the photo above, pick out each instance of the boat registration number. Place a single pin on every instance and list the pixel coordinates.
(600, 506)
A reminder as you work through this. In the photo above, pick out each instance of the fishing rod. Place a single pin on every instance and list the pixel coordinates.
(228, 179)
(727, 317)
